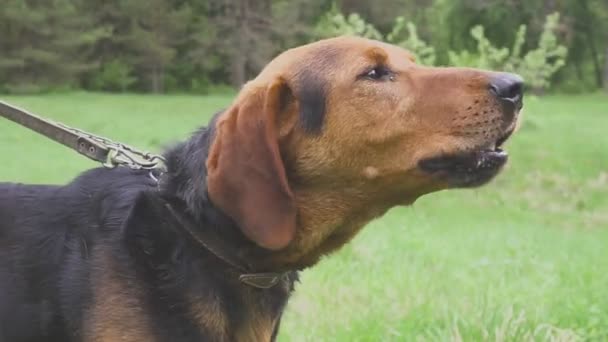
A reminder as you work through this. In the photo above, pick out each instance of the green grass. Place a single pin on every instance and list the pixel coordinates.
(525, 258)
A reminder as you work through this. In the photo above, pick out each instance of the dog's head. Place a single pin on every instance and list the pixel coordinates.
(333, 134)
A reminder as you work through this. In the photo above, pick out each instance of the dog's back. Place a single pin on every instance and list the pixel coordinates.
(46, 233)
(30, 254)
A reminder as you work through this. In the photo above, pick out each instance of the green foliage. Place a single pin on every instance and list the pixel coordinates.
(44, 44)
(424, 53)
(115, 75)
(537, 66)
(334, 23)
(189, 45)
(403, 33)
(487, 55)
(187, 77)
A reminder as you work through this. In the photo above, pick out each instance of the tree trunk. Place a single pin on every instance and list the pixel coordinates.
(591, 40)
(238, 64)
(154, 76)
(597, 67)
(606, 68)
(239, 55)
(158, 83)
(161, 79)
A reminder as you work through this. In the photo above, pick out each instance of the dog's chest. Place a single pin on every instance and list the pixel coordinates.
(259, 327)
(262, 311)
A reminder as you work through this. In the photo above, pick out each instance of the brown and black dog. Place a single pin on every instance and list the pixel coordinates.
(328, 137)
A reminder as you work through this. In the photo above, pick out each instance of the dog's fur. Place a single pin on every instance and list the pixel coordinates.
(309, 152)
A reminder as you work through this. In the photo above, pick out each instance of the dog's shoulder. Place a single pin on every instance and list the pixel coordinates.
(92, 195)
(47, 237)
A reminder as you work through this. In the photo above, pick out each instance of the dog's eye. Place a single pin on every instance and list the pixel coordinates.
(379, 73)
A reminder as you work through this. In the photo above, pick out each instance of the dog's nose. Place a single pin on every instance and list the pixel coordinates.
(509, 88)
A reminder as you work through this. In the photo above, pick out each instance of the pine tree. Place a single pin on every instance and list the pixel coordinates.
(44, 44)
(155, 30)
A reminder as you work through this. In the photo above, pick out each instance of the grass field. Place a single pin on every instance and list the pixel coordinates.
(525, 258)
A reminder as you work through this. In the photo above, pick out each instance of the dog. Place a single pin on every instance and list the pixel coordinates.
(327, 137)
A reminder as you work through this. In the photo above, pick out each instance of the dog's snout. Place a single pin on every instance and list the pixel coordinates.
(508, 88)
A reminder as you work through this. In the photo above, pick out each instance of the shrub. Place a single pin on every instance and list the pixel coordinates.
(334, 23)
(424, 53)
(403, 34)
(537, 66)
(540, 64)
(487, 55)
(113, 76)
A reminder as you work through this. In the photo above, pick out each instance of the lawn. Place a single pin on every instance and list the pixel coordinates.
(525, 258)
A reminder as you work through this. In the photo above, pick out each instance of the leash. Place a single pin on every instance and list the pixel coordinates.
(112, 154)
(105, 151)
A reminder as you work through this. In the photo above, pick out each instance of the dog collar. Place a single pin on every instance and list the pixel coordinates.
(260, 280)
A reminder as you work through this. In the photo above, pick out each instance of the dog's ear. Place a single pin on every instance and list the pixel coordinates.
(246, 175)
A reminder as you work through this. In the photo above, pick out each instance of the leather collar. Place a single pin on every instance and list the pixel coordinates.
(260, 280)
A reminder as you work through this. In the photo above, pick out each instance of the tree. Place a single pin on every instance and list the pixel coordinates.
(188, 45)
(244, 28)
(586, 30)
(113, 72)
(38, 40)
(154, 31)
(589, 23)
(196, 63)
(606, 68)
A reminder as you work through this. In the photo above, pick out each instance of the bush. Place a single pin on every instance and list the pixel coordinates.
(486, 57)
(334, 24)
(424, 53)
(403, 34)
(537, 66)
(540, 64)
(186, 77)
(113, 76)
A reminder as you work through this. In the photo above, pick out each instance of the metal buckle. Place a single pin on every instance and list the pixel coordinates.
(262, 280)
(124, 155)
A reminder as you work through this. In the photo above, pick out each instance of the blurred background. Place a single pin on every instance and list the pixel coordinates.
(194, 46)
(522, 259)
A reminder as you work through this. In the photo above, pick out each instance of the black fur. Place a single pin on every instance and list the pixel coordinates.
(312, 89)
(52, 239)
(312, 96)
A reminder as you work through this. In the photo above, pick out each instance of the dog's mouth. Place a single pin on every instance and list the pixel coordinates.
(471, 168)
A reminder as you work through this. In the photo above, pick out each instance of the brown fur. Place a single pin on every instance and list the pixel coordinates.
(209, 314)
(259, 326)
(365, 161)
(118, 313)
(245, 167)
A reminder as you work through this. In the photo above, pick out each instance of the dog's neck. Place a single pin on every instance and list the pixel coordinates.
(186, 180)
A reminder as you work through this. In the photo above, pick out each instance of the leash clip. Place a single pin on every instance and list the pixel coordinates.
(112, 154)
(120, 154)
(262, 280)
